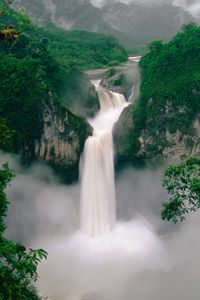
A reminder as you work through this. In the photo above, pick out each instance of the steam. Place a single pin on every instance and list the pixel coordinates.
(44, 213)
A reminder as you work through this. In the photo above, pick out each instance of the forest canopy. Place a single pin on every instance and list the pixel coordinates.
(39, 65)
(169, 100)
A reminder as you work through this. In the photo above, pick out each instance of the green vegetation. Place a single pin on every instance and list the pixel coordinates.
(38, 66)
(18, 266)
(28, 76)
(183, 185)
(170, 88)
(84, 50)
(166, 113)
(6, 136)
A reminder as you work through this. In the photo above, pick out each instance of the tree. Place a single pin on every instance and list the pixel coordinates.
(18, 266)
(183, 185)
(156, 46)
(6, 136)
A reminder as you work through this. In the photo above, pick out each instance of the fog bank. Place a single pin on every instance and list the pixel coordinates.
(45, 214)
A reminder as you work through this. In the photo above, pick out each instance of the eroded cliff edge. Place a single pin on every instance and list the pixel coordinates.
(62, 140)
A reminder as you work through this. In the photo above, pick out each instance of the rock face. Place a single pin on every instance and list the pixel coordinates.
(122, 135)
(62, 140)
(116, 81)
(174, 146)
(124, 80)
(180, 145)
(165, 120)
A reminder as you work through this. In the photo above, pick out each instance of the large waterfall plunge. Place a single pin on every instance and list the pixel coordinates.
(101, 260)
(98, 188)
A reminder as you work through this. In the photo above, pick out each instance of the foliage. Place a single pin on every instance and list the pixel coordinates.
(18, 266)
(83, 50)
(19, 20)
(28, 76)
(183, 185)
(41, 65)
(6, 136)
(170, 87)
(5, 177)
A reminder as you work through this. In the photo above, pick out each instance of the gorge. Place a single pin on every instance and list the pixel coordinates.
(103, 243)
(88, 134)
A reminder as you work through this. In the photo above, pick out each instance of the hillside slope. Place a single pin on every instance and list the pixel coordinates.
(134, 24)
(165, 120)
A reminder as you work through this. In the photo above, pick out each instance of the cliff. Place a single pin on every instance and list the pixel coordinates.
(133, 148)
(164, 121)
(44, 96)
(62, 140)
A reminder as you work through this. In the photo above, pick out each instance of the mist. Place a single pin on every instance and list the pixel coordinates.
(192, 6)
(44, 213)
(101, 3)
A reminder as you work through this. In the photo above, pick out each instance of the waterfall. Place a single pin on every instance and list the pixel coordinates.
(98, 213)
(101, 260)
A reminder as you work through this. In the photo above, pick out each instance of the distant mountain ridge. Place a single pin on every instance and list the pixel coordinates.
(133, 24)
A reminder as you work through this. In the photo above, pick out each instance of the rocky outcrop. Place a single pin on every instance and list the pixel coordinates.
(181, 145)
(62, 140)
(116, 81)
(131, 147)
(122, 135)
(124, 80)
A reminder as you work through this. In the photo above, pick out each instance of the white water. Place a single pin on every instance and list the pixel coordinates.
(98, 212)
(101, 259)
(135, 58)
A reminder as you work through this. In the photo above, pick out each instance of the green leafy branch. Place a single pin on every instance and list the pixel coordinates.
(183, 185)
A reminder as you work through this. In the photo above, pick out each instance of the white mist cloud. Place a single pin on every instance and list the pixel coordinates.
(193, 6)
(40, 206)
(44, 213)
